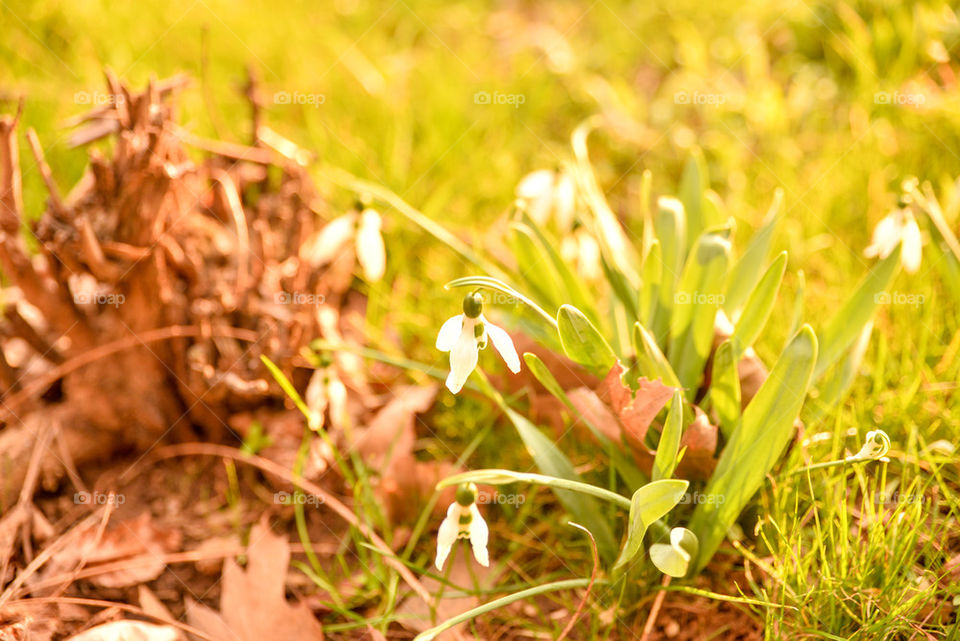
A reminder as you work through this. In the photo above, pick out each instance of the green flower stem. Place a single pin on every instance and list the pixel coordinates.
(826, 464)
(568, 584)
(502, 287)
(502, 477)
(347, 180)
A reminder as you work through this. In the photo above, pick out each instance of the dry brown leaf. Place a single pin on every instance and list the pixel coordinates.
(150, 604)
(700, 439)
(252, 602)
(635, 411)
(591, 408)
(139, 543)
(391, 433)
(129, 631)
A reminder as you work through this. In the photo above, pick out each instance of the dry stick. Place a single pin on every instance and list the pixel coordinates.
(11, 186)
(148, 560)
(108, 349)
(92, 252)
(593, 577)
(210, 449)
(20, 511)
(26, 491)
(655, 610)
(45, 172)
(44, 556)
(101, 528)
(98, 603)
(226, 149)
(231, 200)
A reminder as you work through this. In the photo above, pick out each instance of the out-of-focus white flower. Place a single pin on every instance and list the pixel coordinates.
(898, 227)
(370, 249)
(547, 194)
(363, 229)
(465, 335)
(875, 447)
(582, 249)
(326, 394)
(463, 521)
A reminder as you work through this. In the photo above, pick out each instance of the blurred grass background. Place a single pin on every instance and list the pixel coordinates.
(836, 102)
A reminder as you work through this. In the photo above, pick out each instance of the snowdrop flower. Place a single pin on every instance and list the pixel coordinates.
(875, 447)
(362, 227)
(326, 393)
(463, 521)
(465, 335)
(370, 249)
(581, 249)
(899, 226)
(548, 194)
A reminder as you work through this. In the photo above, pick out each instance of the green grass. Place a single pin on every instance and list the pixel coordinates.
(802, 89)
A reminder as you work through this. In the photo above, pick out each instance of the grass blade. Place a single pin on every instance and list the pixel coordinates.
(756, 444)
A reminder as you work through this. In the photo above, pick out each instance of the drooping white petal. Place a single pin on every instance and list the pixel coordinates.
(479, 533)
(371, 252)
(447, 535)
(588, 259)
(449, 333)
(912, 246)
(535, 184)
(322, 246)
(337, 395)
(536, 190)
(886, 235)
(316, 399)
(504, 344)
(564, 200)
(463, 357)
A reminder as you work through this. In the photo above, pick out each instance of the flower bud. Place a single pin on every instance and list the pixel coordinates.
(467, 494)
(472, 305)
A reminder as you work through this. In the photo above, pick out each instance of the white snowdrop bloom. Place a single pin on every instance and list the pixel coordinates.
(463, 521)
(875, 446)
(370, 249)
(326, 394)
(898, 227)
(548, 194)
(465, 335)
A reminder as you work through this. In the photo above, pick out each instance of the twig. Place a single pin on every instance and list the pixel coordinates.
(165, 333)
(113, 604)
(593, 577)
(55, 200)
(210, 449)
(655, 610)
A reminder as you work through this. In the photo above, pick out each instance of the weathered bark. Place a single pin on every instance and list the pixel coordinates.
(149, 239)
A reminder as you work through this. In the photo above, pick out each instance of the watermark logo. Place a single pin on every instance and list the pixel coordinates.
(698, 298)
(299, 298)
(898, 298)
(497, 98)
(896, 498)
(899, 99)
(98, 298)
(97, 98)
(496, 498)
(297, 498)
(299, 98)
(99, 498)
(697, 498)
(699, 98)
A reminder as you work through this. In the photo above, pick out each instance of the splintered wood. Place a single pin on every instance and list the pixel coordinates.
(156, 283)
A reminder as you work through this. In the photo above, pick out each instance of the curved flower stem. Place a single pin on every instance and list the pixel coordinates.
(502, 477)
(567, 584)
(502, 287)
(347, 180)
